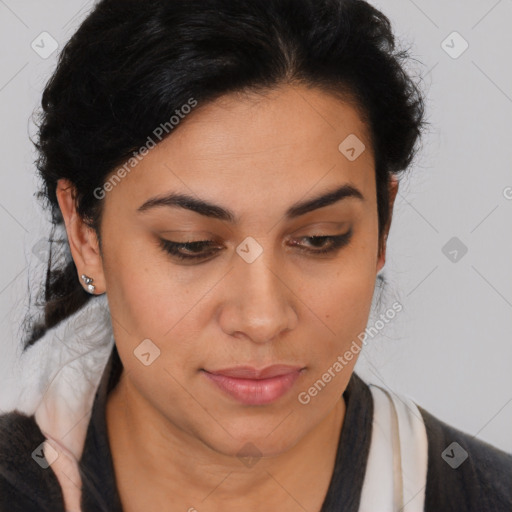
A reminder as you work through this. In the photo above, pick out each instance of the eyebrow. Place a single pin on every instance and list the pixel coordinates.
(214, 211)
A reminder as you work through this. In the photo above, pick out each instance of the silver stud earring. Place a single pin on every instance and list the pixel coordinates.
(88, 280)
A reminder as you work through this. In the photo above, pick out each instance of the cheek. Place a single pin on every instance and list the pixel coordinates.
(343, 307)
(341, 294)
(151, 299)
(146, 298)
(340, 301)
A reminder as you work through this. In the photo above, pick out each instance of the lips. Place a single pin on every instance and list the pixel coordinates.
(248, 372)
(251, 386)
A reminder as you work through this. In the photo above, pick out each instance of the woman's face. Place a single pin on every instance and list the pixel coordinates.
(260, 293)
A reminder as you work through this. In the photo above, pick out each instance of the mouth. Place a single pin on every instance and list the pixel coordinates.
(255, 387)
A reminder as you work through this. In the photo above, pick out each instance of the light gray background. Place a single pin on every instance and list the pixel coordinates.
(450, 349)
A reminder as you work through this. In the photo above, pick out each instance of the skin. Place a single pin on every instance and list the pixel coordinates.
(175, 436)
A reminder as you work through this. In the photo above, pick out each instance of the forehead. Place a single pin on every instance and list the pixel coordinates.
(250, 124)
(284, 142)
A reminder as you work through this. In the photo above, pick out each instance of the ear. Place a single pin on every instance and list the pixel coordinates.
(393, 190)
(82, 239)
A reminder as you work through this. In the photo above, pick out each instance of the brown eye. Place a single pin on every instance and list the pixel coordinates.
(204, 249)
(325, 244)
(189, 250)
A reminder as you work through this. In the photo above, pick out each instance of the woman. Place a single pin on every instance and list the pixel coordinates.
(225, 172)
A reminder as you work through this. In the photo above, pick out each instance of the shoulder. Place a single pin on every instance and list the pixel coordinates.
(464, 473)
(25, 484)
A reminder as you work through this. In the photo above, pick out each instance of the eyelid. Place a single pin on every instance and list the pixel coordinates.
(337, 226)
(207, 236)
(188, 233)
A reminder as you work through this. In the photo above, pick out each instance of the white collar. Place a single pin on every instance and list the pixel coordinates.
(396, 471)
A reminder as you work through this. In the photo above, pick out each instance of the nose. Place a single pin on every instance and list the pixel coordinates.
(260, 304)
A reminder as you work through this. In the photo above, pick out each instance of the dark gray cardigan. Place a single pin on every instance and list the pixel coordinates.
(483, 482)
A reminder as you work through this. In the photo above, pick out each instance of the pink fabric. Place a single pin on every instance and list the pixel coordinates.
(65, 467)
(62, 373)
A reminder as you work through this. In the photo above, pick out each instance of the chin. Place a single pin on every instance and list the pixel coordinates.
(255, 441)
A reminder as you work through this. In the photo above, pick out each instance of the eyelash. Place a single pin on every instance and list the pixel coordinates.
(173, 248)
